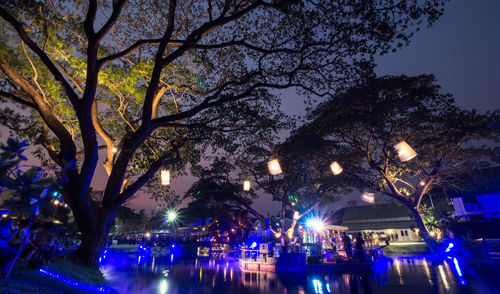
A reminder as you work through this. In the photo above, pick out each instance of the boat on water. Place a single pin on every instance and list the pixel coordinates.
(265, 260)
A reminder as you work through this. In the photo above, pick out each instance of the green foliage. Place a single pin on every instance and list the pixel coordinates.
(361, 126)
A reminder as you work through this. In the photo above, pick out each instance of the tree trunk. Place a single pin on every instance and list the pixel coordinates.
(94, 237)
(423, 229)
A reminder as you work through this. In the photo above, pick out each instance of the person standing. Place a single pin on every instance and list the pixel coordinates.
(346, 241)
(358, 247)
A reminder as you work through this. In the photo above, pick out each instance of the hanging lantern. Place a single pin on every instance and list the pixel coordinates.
(336, 168)
(368, 197)
(165, 177)
(405, 151)
(246, 185)
(274, 167)
(296, 215)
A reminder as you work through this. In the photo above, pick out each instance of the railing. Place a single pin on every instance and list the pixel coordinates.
(492, 248)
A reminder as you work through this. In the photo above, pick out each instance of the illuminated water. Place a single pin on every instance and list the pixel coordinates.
(132, 273)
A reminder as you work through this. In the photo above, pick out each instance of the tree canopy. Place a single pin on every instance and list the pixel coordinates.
(362, 126)
(154, 83)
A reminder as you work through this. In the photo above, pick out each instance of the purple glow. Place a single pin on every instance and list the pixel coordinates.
(78, 285)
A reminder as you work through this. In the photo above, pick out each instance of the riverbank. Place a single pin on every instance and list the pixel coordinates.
(60, 276)
(405, 249)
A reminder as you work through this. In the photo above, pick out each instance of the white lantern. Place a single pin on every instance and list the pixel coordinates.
(165, 177)
(246, 185)
(368, 197)
(405, 151)
(336, 168)
(274, 167)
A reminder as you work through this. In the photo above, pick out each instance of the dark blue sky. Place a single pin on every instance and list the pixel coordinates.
(461, 49)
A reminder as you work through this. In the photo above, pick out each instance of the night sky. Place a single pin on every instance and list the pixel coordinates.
(461, 50)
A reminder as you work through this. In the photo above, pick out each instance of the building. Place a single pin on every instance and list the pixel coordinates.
(383, 221)
(476, 207)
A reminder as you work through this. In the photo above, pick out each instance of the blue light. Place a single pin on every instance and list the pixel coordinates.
(328, 288)
(318, 286)
(450, 245)
(315, 224)
(459, 271)
(78, 285)
(173, 245)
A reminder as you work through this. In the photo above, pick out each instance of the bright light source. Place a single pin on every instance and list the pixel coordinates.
(315, 224)
(296, 215)
(56, 202)
(274, 167)
(368, 197)
(165, 177)
(405, 151)
(163, 287)
(5, 215)
(114, 149)
(336, 168)
(254, 244)
(246, 185)
(422, 183)
(277, 235)
(450, 245)
(148, 235)
(171, 215)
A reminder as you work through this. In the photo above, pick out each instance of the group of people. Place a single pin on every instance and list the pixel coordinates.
(359, 243)
(38, 240)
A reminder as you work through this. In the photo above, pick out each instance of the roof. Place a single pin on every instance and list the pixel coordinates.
(375, 217)
(382, 225)
(370, 213)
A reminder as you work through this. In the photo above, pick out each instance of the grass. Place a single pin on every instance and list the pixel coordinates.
(406, 249)
(25, 280)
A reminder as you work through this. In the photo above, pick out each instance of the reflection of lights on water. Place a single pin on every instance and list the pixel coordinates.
(201, 273)
(318, 286)
(328, 288)
(163, 287)
(196, 263)
(443, 277)
(153, 264)
(225, 271)
(427, 272)
(450, 245)
(171, 258)
(231, 274)
(398, 269)
(459, 271)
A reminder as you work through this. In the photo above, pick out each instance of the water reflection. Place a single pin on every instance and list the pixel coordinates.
(131, 273)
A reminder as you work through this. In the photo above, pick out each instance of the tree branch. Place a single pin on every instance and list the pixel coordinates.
(18, 26)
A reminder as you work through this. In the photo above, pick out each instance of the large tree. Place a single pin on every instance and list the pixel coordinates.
(157, 81)
(362, 126)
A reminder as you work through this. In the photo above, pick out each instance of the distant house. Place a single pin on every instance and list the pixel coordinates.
(476, 207)
(480, 201)
(385, 221)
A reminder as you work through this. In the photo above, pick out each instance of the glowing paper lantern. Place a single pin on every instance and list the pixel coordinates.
(274, 167)
(336, 168)
(405, 151)
(246, 185)
(165, 177)
(368, 197)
